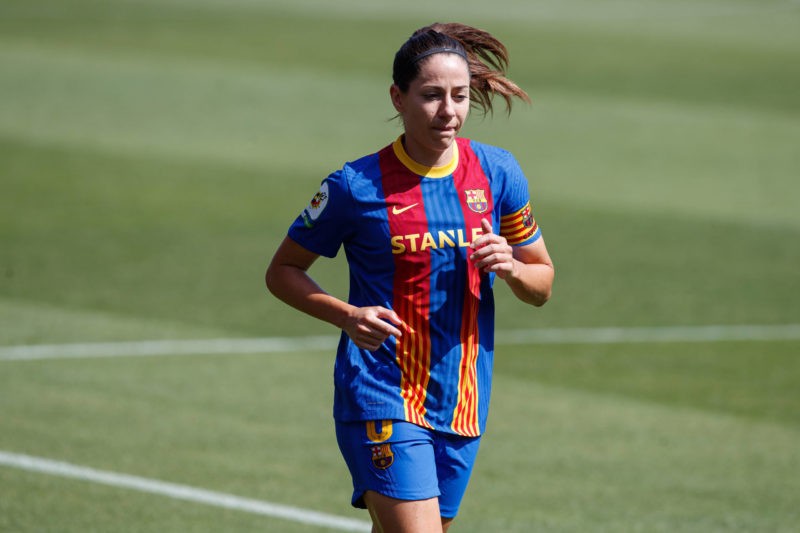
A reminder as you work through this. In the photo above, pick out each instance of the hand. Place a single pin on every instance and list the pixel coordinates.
(367, 327)
(493, 253)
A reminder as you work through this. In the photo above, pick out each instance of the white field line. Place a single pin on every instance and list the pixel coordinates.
(181, 492)
(650, 334)
(317, 343)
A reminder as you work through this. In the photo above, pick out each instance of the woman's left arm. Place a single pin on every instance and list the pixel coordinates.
(528, 269)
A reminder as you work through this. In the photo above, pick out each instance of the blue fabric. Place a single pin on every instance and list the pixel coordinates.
(407, 462)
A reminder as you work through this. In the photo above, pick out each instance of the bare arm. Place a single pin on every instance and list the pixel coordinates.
(287, 278)
(528, 270)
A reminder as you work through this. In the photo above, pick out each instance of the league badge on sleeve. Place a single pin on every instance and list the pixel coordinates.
(316, 206)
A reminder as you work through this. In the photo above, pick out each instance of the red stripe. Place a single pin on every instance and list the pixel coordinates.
(465, 414)
(411, 298)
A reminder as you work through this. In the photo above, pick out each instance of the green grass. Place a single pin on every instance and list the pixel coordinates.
(153, 154)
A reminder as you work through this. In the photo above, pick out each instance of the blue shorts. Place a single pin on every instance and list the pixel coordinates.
(404, 461)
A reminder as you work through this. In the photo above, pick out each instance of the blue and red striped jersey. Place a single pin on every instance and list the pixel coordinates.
(405, 230)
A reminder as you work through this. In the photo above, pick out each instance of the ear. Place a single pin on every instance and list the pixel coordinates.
(397, 98)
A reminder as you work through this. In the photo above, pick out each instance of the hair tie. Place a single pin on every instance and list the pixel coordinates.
(440, 50)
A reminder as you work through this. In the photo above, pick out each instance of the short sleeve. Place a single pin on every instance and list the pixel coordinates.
(517, 223)
(322, 226)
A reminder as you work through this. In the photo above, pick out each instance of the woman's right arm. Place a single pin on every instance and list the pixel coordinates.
(287, 278)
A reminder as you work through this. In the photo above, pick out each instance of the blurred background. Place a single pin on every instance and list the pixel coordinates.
(154, 153)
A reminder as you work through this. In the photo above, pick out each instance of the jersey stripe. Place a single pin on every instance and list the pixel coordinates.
(465, 414)
(411, 291)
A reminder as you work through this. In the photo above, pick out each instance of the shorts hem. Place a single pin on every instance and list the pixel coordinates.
(358, 498)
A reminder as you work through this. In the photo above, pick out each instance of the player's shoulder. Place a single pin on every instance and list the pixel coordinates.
(355, 173)
(482, 148)
(367, 166)
(494, 159)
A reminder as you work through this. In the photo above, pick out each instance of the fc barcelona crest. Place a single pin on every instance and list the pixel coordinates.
(476, 200)
(382, 456)
(527, 218)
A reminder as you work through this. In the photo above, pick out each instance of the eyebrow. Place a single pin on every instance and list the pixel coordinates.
(433, 86)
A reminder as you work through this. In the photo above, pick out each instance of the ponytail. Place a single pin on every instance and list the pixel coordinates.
(486, 57)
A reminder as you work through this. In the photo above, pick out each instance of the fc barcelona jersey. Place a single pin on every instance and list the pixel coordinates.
(406, 230)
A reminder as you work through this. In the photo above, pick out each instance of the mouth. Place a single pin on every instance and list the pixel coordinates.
(445, 129)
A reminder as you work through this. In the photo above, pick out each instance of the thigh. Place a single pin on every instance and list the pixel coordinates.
(390, 515)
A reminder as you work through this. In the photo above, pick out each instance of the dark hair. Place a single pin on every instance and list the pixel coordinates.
(487, 59)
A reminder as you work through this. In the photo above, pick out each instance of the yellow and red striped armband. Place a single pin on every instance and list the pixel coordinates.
(518, 227)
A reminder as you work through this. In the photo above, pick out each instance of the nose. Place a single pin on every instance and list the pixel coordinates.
(447, 109)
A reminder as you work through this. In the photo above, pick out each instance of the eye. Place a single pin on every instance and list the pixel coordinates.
(460, 97)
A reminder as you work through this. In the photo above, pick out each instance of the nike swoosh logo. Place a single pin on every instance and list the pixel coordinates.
(396, 211)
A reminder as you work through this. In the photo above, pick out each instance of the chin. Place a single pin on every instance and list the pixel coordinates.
(445, 138)
(440, 145)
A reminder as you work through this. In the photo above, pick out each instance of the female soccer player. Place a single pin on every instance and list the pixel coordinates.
(426, 223)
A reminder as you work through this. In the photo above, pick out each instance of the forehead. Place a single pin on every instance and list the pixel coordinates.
(444, 68)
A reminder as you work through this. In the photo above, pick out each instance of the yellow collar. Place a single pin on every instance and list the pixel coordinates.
(422, 170)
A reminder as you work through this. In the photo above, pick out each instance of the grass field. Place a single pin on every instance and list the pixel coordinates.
(153, 153)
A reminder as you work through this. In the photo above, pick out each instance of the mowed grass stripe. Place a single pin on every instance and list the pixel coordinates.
(584, 11)
(678, 59)
(27, 322)
(208, 112)
(183, 109)
(577, 460)
(752, 379)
